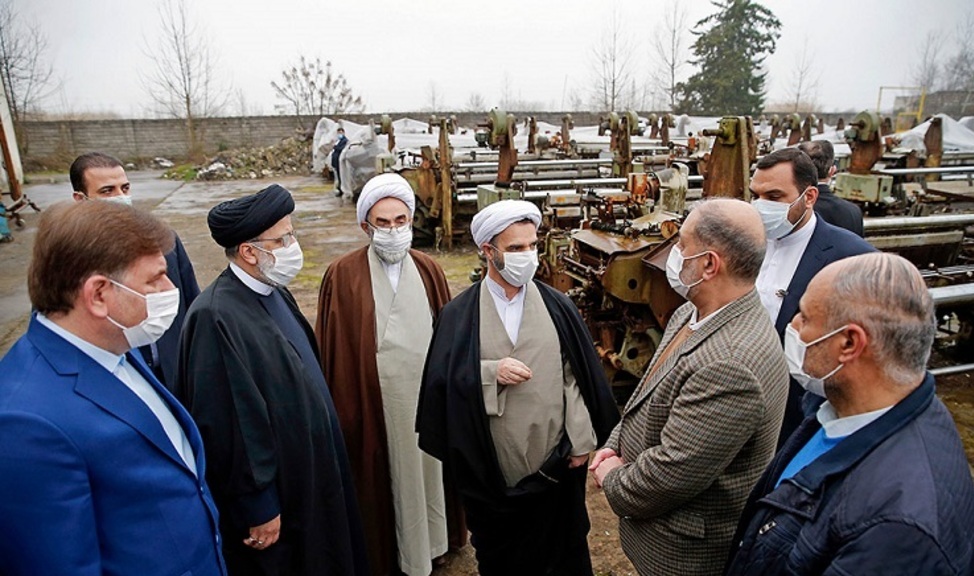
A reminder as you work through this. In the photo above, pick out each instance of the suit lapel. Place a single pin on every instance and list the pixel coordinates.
(811, 262)
(697, 337)
(645, 389)
(112, 395)
(182, 416)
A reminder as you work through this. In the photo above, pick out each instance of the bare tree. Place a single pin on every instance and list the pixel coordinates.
(613, 67)
(959, 68)
(926, 72)
(433, 97)
(312, 89)
(804, 83)
(183, 83)
(671, 50)
(476, 103)
(27, 78)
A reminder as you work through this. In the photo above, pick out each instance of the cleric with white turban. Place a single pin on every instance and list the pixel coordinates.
(387, 185)
(496, 217)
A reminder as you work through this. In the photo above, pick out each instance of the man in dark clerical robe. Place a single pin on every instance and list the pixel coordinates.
(250, 376)
(513, 400)
(376, 310)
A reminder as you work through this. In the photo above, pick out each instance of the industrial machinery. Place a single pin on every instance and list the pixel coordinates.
(859, 184)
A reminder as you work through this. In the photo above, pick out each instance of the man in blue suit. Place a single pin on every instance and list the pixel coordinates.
(800, 244)
(97, 176)
(101, 470)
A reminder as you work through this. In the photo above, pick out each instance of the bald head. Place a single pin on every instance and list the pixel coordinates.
(885, 294)
(731, 228)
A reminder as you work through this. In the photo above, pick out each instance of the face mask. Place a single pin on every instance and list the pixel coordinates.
(519, 267)
(160, 310)
(774, 216)
(120, 199)
(392, 244)
(286, 265)
(795, 355)
(674, 267)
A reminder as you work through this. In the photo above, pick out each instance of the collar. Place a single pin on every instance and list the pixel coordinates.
(852, 449)
(251, 282)
(836, 427)
(498, 291)
(107, 360)
(802, 235)
(695, 324)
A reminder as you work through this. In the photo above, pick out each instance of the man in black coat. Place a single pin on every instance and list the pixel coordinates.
(250, 376)
(834, 210)
(97, 176)
(877, 481)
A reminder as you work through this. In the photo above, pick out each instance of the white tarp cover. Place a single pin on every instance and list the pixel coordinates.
(957, 138)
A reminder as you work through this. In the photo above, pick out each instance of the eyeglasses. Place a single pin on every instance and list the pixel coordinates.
(401, 229)
(285, 240)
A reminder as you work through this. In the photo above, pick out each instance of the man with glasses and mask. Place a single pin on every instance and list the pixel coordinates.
(376, 310)
(513, 399)
(703, 423)
(97, 176)
(799, 244)
(249, 374)
(101, 469)
(876, 482)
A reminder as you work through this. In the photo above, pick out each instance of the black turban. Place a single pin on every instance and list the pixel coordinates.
(236, 221)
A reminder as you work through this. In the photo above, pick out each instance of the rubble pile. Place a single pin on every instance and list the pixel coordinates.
(290, 156)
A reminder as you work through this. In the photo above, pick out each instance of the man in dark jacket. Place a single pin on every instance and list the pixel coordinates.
(336, 154)
(877, 482)
(834, 210)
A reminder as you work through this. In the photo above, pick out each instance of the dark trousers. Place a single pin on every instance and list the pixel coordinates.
(533, 534)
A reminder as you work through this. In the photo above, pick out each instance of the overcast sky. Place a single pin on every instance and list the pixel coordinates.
(391, 51)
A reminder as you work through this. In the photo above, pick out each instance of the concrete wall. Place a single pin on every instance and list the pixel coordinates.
(54, 143)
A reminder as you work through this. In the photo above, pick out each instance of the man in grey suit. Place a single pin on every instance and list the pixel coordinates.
(702, 425)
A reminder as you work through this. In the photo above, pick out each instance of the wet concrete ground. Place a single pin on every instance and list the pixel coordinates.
(326, 229)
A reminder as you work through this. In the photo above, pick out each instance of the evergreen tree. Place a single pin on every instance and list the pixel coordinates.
(730, 48)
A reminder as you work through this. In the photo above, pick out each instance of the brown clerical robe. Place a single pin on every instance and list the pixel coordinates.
(345, 331)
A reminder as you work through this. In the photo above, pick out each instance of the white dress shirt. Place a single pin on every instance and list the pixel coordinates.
(128, 375)
(510, 311)
(836, 427)
(780, 262)
(693, 324)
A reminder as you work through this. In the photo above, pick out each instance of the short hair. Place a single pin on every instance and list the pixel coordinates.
(741, 250)
(886, 295)
(822, 154)
(86, 161)
(803, 169)
(76, 240)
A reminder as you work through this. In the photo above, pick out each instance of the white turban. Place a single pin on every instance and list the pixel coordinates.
(496, 217)
(387, 185)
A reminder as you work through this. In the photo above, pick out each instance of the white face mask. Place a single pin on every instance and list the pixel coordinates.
(795, 355)
(286, 265)
(774, 216)
(120, 199)
(160, 310)
(519, 267)
(392, 244)
(674, 268)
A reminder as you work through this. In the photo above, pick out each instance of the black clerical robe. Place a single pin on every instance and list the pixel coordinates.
(538, 526)
(272, 438)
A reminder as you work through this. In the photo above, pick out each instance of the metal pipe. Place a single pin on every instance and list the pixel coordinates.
(537, 163)
(876, 225)
(575, 182)
(954, 295)
(948, 370)
(934, 170)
